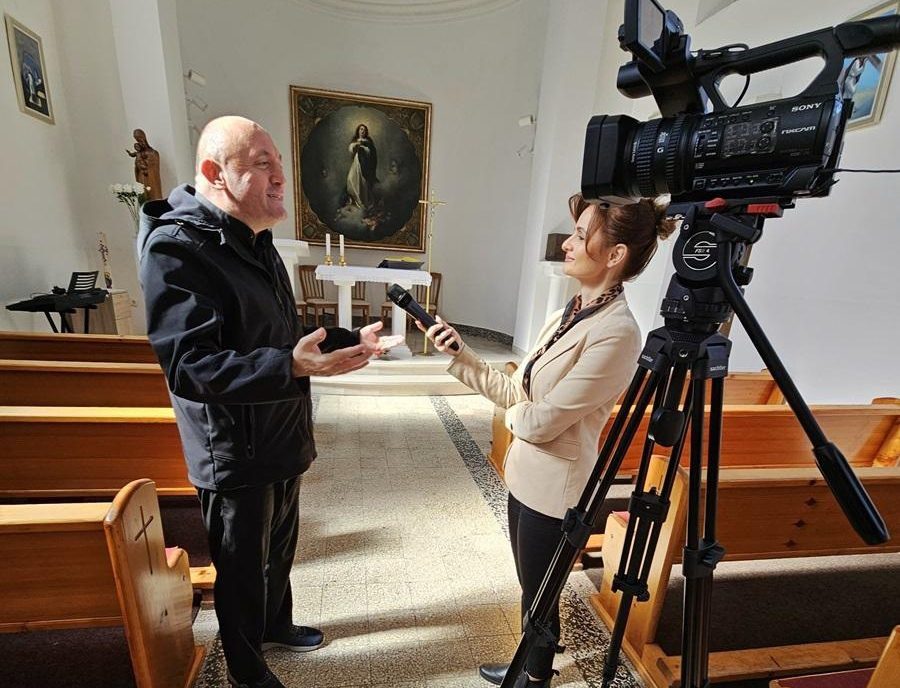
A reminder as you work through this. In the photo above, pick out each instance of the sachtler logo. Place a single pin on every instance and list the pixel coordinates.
(699, 252)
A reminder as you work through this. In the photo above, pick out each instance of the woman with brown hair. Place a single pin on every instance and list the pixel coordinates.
(558, 401)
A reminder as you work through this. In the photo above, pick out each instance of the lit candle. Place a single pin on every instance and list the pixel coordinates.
(327, 244)
(341, 238)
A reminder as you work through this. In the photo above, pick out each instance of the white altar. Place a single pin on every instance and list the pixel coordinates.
(346, 276)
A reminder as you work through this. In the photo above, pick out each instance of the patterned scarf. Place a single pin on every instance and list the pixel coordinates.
(574, 313)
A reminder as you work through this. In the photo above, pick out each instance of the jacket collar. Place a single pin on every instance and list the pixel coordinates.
(573, 336)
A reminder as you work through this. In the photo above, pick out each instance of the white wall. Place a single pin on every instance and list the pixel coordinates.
(41, 242)
(481, 74)
(825, 287)
(54, 185)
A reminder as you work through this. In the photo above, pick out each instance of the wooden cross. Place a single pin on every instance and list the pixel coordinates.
(143, 531)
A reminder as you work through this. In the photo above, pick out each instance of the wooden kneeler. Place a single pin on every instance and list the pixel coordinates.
(100, 564)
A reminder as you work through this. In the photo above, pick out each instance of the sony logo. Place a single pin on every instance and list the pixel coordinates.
(808, 106)
(797, 130)
(647, 358)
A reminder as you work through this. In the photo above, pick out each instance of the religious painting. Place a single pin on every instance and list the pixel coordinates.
(29, 70)
(866, 78)
(360, 168)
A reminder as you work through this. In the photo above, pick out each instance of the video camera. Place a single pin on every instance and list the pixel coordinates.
(784, 148)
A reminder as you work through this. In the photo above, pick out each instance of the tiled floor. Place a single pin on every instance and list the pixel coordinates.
(403, 558)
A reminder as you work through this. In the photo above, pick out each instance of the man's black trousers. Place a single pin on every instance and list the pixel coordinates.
(252, 538)
(534, 538)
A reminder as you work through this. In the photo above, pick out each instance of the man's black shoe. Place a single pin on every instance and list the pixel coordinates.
(296, 639)
(493, 673)
(267, 681)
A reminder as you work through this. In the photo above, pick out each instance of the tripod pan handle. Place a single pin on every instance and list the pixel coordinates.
(851, 495)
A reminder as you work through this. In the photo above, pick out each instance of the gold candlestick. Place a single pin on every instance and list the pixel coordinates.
(342, 262)
(432, 205)
(328, 259)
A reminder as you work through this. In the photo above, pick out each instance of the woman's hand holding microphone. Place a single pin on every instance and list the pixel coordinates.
(442, 336)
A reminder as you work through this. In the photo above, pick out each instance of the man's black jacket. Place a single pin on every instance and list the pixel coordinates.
(221, 318)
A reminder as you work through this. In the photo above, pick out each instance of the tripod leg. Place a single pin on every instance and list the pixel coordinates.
(701, 554)
(647, 514)
(580, 520)
(846, 487)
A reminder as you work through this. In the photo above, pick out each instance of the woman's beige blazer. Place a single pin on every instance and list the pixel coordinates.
(574, 387)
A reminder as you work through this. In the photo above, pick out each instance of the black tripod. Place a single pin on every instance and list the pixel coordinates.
(673, 370)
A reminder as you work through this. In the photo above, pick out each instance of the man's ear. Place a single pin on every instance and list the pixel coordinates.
(212, 172)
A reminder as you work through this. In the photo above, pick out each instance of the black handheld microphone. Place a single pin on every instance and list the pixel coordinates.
(404, 299)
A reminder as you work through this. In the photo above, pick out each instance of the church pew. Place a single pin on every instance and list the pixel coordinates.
(75, 347)
(885, 674)
(746, 388)
(777, 515)
(73, 383)
(67, 452)
(769, 435)
(68, 566)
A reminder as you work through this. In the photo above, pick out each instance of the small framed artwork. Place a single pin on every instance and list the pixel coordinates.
(867, 78)
(360, 168)
(29, 70)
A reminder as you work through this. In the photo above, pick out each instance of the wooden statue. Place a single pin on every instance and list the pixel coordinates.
(146, 165)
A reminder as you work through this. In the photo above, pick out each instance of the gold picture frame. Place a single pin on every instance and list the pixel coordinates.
(361, 166)
(26, 54)
(871, 74)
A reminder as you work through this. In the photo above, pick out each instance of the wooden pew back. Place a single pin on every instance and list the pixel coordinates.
(762, 514)
(48, 550)
(745, 388)
(770, 436)
(100, 564)
(154, 589)
(83, 451)
(75, 347)
(74, 383)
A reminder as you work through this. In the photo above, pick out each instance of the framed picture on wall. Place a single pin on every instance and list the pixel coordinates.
(360, 168)
(868, 77)
(29, 70)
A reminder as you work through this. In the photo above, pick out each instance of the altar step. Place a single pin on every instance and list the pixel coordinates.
(418, 376)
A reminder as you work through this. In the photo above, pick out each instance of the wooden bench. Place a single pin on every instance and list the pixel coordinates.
(740, 388)
(763, 514)
(885, 674)
(85, 565)
(75, 347)
(770, 436)
(63, 452)
(74, 383)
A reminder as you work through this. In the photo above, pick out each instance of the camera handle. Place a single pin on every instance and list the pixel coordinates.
(694, 308)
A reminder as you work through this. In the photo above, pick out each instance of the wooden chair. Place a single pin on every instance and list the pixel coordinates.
(762, 514)
(314, 294)
(885, 674)
(89, 565)
(76, 347)
(418, 293)
(359, 301)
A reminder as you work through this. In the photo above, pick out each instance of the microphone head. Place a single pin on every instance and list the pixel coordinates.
(398, 295)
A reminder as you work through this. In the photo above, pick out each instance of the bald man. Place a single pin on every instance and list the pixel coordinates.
(222, 321)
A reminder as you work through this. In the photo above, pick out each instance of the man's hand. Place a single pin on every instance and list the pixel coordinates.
(309, 360)
(368, 337)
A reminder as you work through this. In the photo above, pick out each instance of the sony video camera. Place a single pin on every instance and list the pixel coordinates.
(779, 149)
